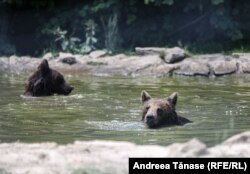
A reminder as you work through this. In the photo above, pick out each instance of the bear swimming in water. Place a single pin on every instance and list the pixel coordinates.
(159, 112)
(46, 81)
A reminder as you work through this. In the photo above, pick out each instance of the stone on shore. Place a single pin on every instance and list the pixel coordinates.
(224, 67)
(106, 156)
(97, 54)
(149, 63)
(190, 67)
(244, 64)
(169, 55)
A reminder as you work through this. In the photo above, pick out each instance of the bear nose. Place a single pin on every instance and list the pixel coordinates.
(68, 90)
(149, 118)
(71, 88)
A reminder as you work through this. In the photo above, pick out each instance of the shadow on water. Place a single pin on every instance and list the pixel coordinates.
(108, 108)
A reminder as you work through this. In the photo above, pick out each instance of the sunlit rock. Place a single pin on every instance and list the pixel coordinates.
(97, 53)
(169, 55)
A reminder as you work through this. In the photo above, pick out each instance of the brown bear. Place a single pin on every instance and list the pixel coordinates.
(159, 112)
(46, 81)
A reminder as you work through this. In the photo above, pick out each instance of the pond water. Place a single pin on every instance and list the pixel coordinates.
(108, 108)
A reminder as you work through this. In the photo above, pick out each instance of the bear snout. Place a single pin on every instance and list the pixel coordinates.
(150, 120)
(71, 88)
(68, 90)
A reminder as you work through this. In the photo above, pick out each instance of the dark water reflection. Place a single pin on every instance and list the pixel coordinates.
(108, 108)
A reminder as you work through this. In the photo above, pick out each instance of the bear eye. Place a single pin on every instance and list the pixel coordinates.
(147, 108)
(159, 111)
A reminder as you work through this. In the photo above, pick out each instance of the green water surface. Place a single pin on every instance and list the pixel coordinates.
(108, 108)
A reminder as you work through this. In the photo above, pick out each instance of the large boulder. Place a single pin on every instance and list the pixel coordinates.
(21, 64)
(69, 60)
(212, 64)
(48, 56)
(175, 54)
(157, 70)
(97, 53)
(106, 156)
(126, 65)
(223, 67)
(244, 64)
(169, 55)
(236, 146)
(191, 67)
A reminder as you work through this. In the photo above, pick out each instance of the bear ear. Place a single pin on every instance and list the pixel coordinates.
(145, 96)
(44, 67)
(173, 98)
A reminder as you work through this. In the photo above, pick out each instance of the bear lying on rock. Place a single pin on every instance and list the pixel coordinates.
(159, 112)
(46, 81)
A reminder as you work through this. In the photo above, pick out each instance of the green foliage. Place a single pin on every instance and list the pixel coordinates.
(91, 40)
(202, 26)
(6, 48)
(241, 49)
(217, 2)
(112, 37)
(159, 2)
(36, 3)
(68, 43)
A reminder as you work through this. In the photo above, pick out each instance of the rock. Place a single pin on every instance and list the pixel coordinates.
(48, 56)
(175, 54)
(22, 64)
(236, 146)
(157, 70)
(69, 60)
(187, 149)
(223, 67)
(97, 54)
(244, 64)
(4, 64)
(63, 55)
(149, 64)
(238, 55)
(243, 138)
(218, 64)
(170, 55)
(149, 50)
(190, 67)
(106, 156)
(135, 63)
(123, 65)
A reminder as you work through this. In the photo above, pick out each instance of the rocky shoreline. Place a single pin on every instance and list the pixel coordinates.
(105, 156)
(146, 61)
(109, 156)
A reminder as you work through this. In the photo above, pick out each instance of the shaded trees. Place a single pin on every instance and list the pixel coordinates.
(208, 26)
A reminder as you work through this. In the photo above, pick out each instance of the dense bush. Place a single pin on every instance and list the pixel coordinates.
(200, 26)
